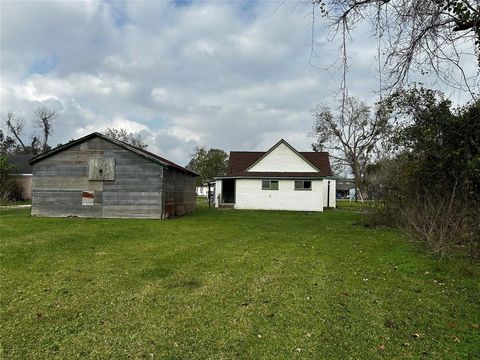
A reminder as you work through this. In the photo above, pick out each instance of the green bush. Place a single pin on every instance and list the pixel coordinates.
(431, 188)
(10, 188)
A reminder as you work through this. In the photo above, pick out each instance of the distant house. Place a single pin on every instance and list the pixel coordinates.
(345, 188)
(202, 190)
(23, 172)
(96, 176)
(281, 178)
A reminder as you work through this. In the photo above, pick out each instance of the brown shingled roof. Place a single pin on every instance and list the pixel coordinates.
(239, 161)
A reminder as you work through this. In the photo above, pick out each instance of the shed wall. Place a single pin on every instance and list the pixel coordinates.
(61, 181)
(179, 191)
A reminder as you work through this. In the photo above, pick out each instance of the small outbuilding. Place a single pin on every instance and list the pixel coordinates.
(345, 188)
(281, 178)
(97, 176)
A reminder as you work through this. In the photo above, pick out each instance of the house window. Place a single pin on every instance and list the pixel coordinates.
(269, 184)
(303, 185)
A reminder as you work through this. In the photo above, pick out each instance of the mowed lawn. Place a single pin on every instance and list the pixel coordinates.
(226, 284)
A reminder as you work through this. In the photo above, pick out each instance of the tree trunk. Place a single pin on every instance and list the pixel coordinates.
(356, 174)
(20, 141)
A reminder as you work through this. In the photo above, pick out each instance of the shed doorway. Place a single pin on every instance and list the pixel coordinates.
(228, 191)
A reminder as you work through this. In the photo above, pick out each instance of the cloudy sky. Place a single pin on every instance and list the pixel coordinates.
(227, 74)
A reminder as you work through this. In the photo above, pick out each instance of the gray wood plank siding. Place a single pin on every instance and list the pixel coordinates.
(179, 191)
(61, 185)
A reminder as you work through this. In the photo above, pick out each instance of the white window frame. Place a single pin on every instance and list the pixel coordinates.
(270, 185)
(303, 188)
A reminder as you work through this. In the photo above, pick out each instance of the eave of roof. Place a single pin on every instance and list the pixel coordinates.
(241, 160)
(143, 153)
(271, 175)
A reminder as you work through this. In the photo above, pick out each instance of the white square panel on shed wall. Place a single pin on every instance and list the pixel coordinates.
(101, 169)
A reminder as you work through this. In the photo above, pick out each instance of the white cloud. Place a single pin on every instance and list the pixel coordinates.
(210, 73)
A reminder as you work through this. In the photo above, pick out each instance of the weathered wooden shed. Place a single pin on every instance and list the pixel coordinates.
(96, 176)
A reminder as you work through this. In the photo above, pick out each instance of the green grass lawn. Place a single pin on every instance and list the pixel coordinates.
(13, 203)
(229, 284)
(344, 204)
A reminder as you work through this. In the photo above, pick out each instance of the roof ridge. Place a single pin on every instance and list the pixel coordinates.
(284, 142)
(239, 161)
(242, 151)
(142, 152)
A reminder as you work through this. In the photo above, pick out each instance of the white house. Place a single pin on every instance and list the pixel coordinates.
(202, 190)
(279, 179)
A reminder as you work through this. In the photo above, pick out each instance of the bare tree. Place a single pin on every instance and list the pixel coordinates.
(15, 125)
(350, 136)
(435, 36)
(45, 118)
(36, 145)
(125, 136)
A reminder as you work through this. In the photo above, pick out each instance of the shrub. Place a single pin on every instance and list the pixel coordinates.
(10, 188)
(431, 188)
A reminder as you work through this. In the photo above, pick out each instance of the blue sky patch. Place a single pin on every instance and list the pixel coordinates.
(118, 12)
(182, 3)
(44, 66)
(248, 10)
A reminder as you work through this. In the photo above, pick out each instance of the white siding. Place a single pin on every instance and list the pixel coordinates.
(202, 190)
(282, 159)
(333, 193)
(218, 192)
(249, 195)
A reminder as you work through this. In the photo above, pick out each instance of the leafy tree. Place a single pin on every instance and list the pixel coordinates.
(9, 186)
(7, 144)
(433, 183)
(208, 163)
(350, 135)
(124, 135)
(443, 142)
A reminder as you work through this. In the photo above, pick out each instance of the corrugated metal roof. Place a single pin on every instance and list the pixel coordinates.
(138, 151)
